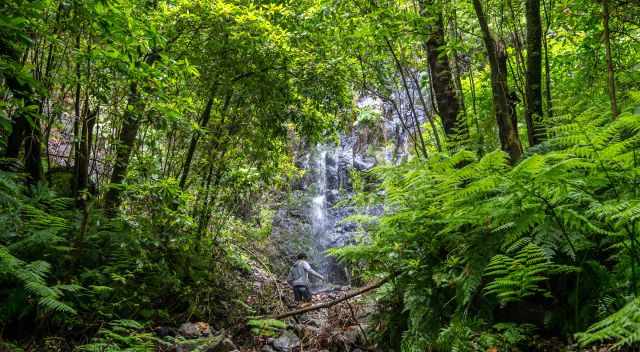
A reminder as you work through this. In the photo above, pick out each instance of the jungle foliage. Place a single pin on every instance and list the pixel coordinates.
(139, 140)
(144, 143)
(505, 248)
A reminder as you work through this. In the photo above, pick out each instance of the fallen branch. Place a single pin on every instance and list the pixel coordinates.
(335, 301)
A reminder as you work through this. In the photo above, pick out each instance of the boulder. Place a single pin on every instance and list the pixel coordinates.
(194, 330)
(267, 348)
(286, 342)
(209, 344)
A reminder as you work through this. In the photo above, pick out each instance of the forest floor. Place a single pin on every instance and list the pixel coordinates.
(344, 326)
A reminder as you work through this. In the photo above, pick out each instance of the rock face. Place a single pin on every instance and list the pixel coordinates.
(314, 218)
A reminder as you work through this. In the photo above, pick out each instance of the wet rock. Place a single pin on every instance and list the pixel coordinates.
(194, 330)
(333, 196)
(364, 163)
(286, 342)
(267, 348)
(208, 344)
(163, 331)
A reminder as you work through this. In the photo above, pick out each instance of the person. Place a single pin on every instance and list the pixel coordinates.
(298, 278)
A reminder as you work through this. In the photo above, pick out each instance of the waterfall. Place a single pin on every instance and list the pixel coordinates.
(315, 216)
(319, 200)
(329, 183)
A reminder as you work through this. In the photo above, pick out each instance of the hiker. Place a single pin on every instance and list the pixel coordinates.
(299, 278)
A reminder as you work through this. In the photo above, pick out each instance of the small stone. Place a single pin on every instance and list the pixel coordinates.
(225, 345)
(194, 330)
(286, 342)
(210, 344)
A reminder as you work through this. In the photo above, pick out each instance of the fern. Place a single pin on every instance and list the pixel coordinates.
(460, 226)
(123, 336)
(621, 327)
(32, 276)
(520, 275)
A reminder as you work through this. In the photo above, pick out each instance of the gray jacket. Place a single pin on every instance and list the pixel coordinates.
(299, 274)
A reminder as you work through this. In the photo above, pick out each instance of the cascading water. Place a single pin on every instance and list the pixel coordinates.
(315, 217)
(319, 200)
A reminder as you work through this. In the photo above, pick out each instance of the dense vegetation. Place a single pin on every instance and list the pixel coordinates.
(146, 144)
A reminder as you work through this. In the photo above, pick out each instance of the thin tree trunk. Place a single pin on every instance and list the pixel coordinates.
(328, 304)
(444, 88)
(76, 123)
(547, 66)
(498, 62)
(204, 121)
(26, 130)
(33, 152)
(610, 69)
(472, 84)
(84, 150)
(423, 102)
(124, 146)
(533, 114)
(126, 141)
(410, 98)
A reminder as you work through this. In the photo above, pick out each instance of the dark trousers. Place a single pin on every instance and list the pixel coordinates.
(302, 293)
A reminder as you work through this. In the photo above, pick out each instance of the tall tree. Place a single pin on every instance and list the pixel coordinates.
(610, 70)
(446, 98)
(533, 113)
(124, 146)
(26, 125)
(496, 52)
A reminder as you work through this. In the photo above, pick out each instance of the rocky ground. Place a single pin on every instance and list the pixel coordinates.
(341, 327)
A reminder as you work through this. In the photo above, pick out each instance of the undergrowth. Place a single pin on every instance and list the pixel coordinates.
(143, 269)
(489, 253)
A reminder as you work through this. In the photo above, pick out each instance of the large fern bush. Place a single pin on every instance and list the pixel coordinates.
(29, 229)
(540, 243)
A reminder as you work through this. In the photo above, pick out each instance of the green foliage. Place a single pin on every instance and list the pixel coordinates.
(473, 335)
(521, 275)
(621, 327)
(122, 335)
(459, 227)
(28, 226)
(266, 327)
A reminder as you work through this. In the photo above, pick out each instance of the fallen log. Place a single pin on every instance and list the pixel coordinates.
(335, 301)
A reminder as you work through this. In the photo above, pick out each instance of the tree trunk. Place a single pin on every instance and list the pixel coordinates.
(26, 130)
(16, 137)
(204, 121)
(76, 124)
(533, 114)
(610, 70)
(84, 150)
(446, 98)
(504, 114)
(125, 143)
(547, 66)
(33, 152)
